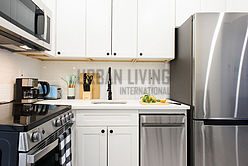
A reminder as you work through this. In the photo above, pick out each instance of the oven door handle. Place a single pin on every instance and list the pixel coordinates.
(31, 159)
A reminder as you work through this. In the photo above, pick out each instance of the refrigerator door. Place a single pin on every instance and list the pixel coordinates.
(220, 145)
(220, 75)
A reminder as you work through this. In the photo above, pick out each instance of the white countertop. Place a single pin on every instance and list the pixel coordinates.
(131, 104)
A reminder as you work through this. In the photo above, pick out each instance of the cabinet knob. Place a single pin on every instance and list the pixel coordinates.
(111, 131)
(59, 52)
(141, 54)
(108, 53)
(114, 54)
(102, 131)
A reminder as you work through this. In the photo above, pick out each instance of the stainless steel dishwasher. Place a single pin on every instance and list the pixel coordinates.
(163, 140)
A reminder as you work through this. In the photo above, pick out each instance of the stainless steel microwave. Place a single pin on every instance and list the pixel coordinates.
(25, 25)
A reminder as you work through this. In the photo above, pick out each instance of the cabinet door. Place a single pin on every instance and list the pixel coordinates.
(124, 30)
(213, 5)
(237, 5)
(122, 146)
(186, 8)
(98, 28)
(70, 28)
(92, 146)
(156, 26)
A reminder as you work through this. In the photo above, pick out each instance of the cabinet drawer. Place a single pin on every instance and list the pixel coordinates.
(101, 119)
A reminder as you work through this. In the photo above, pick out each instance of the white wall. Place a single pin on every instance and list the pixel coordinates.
(53, 71)
(12, 66)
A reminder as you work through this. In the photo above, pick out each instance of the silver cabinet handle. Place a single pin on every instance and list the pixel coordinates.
(41, 153)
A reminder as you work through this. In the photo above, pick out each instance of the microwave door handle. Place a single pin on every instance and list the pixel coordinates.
(31, 159)
(45, 25)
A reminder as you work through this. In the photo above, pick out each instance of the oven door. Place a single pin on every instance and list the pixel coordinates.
(47, 156)
(45, 153)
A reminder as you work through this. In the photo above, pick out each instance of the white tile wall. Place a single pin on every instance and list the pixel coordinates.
(53, 71)
(12, 66)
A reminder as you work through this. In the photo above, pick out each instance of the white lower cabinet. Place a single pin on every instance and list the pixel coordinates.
(91, 146)
(122, 146)
(107, 138)
(107, 146)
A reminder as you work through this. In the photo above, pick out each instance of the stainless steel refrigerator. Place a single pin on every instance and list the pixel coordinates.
(210, 73)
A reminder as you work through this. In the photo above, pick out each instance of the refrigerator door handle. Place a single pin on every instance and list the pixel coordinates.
(239, 73)
(211, 54)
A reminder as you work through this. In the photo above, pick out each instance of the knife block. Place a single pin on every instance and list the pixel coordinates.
(94, 87)
(87, 95)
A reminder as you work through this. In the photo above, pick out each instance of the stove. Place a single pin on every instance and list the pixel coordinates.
(26, 129)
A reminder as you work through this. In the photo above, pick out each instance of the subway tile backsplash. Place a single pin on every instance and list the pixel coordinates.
(12, 66)
(130, 80)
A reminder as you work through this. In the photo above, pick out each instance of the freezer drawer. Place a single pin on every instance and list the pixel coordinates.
(220, 144)
(163, 140)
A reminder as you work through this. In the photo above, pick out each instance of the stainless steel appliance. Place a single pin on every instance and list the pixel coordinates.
(29, 133)
(25, 25)
(210, 73)
(29, 90)
(163, 140)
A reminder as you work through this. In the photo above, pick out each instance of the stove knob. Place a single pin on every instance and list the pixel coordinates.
(62, 119)
(36, 136)
(70, 115)
(57, 123)
(67, 117)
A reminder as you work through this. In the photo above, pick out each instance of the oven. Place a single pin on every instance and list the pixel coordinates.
(49, 151)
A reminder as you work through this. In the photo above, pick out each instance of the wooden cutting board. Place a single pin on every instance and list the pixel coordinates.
(94, 87)
(157, 103)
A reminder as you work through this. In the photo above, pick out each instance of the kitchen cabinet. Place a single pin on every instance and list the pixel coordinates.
(237, 5)
(213, 5)
(122, 146)
(70, 37)
(184, 9)
(111, 31)
(92, 146)
(98, 28)
(107, 138)
(156, 27)
(107, 146)
(124, 37)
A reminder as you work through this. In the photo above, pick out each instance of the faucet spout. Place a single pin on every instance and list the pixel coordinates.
(109, 90)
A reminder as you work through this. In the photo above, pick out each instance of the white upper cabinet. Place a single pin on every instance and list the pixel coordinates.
(124, 30)
(213, 5)
(237, 5)
(156, 27)
(98, 28)
(186, 8)
(70, 41)
(115, 28)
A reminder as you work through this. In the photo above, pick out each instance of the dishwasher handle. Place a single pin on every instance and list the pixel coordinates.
(158, 125)
(163, 119)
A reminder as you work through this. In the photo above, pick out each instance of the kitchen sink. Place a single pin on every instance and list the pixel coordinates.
(109, 102)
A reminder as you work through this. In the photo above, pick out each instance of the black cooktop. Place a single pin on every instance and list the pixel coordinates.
(24, 117)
